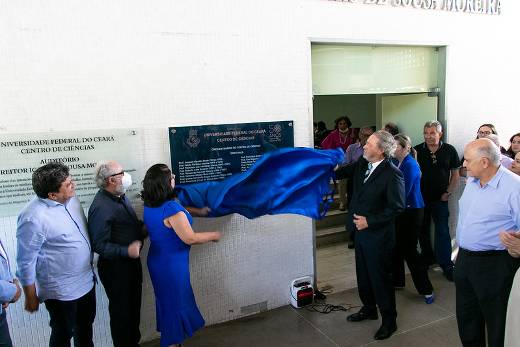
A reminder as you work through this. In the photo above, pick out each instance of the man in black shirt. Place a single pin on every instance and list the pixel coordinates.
(116, 235)
(439, 164)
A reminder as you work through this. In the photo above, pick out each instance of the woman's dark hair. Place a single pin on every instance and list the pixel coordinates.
(339, 119)
(48, 178)
(321, 126)
(510, 152)
(392, 128)
(157, 187)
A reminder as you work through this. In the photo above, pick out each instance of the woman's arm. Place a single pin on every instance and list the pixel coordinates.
(180, 224)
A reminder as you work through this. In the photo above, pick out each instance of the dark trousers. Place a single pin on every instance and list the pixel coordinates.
(72, 318)
(350, 192)
(5, 338)
(439, 213)
(408, 226)
(122, 280)
(483, 283)
(374, 277)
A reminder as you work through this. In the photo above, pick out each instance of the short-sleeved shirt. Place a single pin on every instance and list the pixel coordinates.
(436, 169)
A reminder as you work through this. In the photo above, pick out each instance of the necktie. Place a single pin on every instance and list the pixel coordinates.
(367, 173)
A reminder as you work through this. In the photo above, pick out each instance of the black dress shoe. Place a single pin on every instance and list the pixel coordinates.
(385, 331)
(361, 316)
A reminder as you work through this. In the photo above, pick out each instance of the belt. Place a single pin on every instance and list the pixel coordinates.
(482, 253)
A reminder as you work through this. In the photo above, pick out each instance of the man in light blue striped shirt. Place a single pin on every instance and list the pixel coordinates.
(55, 258)
(484, 270)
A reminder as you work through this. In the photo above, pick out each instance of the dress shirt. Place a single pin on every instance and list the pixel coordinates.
(112, 225)
(353, 153)
(505, 161)
(7, 287)
(485, 211)
(374, 166)
(53, 249)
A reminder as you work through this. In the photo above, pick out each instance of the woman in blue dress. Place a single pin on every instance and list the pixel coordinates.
(409, 223)
(171, 235)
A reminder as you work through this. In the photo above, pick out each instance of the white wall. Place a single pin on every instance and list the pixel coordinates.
(69, 65)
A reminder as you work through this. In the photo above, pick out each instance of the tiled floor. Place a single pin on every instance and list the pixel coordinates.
(418, 324)
(336, 268)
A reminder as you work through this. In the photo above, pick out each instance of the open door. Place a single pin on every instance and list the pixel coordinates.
(409, 112)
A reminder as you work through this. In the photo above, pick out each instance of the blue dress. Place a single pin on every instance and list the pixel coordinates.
(168, 263)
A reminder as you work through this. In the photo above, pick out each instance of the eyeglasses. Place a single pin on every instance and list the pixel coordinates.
(434, 158)
(116, 174)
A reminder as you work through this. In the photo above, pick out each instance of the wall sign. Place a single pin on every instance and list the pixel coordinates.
(23, 153)
(214, 152)
(492, 7)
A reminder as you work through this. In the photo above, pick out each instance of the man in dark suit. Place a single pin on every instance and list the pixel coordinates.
(378, 197)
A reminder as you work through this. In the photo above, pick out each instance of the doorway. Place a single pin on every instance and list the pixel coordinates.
(372, 85)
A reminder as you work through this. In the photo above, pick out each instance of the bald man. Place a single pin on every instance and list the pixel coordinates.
(484, 269)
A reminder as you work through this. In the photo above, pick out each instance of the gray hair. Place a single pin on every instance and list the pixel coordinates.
(434, 123)
(490, 151)
(494, 138)
(386, 143)
(103, 170)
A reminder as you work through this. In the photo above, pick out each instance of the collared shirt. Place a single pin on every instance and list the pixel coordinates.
(353, 153)
(374, 166)
(53, 249)
(112, 225)
(505, 161)
(485, 211)
(7, 287)
(436, 169)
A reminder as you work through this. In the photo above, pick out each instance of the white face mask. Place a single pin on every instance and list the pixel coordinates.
(126, 181)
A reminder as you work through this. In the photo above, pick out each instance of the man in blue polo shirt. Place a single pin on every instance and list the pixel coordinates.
(54, 257)
(484, 270)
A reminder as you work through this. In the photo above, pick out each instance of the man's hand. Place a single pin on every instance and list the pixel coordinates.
(31, 299)
(134, 249)
(511, 240)
(445, 196)
(18, 291)
(360, 222)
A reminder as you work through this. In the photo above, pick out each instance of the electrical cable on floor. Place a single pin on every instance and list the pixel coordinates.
(328, 308)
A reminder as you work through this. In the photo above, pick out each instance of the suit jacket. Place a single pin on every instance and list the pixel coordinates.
(380, 199)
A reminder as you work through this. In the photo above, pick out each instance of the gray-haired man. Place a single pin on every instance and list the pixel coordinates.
(117, 236)
(378, 197)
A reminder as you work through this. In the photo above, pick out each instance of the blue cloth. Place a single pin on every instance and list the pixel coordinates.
(412, 182)
(168, 263)
(485, 211)
(7, 287)
(53, 249)
(289, 180)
